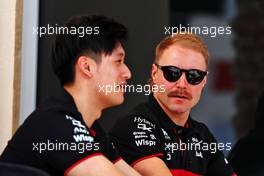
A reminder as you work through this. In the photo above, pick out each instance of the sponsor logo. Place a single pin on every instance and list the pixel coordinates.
(83, 138)
(152, 136)
(139, 133)
(198, 154)
(145, 142)
(141, 136)
(194, 139)
(144, 127)
(143, 120)
(75, 122)
(165, 134)
(80, 132)
(226, 161)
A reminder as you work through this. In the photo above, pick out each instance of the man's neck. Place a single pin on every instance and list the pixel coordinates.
(85, 103)
(179, 118)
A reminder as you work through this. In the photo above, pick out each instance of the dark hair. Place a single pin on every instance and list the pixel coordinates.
(106, 34)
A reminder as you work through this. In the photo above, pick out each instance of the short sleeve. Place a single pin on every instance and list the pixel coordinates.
(136, 138)
(107, 146)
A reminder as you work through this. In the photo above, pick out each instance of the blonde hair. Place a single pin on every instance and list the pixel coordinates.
(186, 40)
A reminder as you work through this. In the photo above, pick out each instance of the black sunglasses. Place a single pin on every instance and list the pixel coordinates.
(172, 74)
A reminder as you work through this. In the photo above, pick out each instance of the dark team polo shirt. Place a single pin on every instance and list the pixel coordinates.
(148, 132)
(55, 138)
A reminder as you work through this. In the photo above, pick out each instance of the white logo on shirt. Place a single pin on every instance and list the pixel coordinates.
(145, 142)
(198, 154)
(226, 161)
(165, 134)
(83, 138)
(143, 120)
(80, 128)
(144, 127)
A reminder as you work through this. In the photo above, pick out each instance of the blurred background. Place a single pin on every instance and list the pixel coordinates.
(236, 69)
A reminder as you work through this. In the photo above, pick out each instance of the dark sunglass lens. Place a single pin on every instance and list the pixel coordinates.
(171, 74)
(195, 77)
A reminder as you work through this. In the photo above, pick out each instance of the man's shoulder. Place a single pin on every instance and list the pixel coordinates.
(139, 114)
(199, 126)
(44, 123)
(55, 107)
(45, 116)
(139, 118)
(202, 129)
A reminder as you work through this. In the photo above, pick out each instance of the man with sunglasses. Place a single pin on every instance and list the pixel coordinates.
(159, 137)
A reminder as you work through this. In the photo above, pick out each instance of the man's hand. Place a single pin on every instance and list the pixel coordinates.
(126, 169)
(95, 166)
(152, 167)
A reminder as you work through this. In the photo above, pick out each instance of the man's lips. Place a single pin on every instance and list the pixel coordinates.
(122, 86)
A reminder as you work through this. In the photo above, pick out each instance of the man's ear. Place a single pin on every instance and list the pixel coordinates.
(86, 65)
(204, 81)
(154, 72)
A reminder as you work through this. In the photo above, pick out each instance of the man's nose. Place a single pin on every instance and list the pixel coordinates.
(182, 82)
(127, 74)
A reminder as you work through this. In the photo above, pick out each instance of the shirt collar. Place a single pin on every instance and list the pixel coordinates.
(164, 119)
(62, 101)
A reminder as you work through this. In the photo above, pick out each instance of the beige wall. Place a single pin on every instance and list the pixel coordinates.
(10, 57)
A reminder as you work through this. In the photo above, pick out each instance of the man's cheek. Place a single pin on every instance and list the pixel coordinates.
(196, 98)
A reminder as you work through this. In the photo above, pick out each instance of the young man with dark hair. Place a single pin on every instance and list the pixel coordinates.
(62, 136)
(159, 138)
